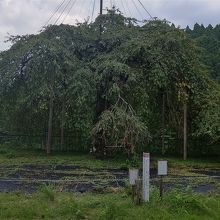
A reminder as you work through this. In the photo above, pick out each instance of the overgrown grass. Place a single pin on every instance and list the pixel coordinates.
(48, 203)
(194, 162)
(16, 156)
(109, 206)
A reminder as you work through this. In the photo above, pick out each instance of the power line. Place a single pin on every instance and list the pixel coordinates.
(56, 10)
(123, 8)
(61, 14)
(138, 9)
(111, 4)
(114, 4)
(129, 11)
(145, 9)
(90, 10)
(73, 3)
(82, 6)
(93, 9)
(65, 7)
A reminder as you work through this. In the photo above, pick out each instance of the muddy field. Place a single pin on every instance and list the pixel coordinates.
(29, 177)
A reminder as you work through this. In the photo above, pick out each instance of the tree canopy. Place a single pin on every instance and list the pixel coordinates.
(114, 83)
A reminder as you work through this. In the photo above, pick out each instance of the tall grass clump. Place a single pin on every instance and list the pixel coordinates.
(48, 192)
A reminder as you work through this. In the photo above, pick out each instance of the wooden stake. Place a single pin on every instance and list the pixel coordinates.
(185, 131)
(138, 192)
(161, 187)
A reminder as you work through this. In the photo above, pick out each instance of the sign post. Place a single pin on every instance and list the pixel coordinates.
(133, 176)
(162, 171)
(146, 177)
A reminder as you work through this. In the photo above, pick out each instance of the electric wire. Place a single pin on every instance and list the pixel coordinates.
(93, 10)
(111, 4)
(129, 11)
(71, 7)
(138, 9)
(65, 7)
(145, 9)
(56, 10)
(82, 6)
(90, 10)
(123, 8)
(61, 14)
(115, 4)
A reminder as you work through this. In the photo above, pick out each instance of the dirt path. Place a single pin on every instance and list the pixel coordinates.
(30, 177)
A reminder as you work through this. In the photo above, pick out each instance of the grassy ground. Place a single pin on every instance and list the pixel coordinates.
(114, 203)
(48, 204)
(17, 157)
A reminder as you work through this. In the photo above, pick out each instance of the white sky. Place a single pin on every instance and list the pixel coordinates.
(28, 16)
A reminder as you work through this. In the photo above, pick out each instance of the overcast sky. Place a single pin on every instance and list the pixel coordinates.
(28, 16)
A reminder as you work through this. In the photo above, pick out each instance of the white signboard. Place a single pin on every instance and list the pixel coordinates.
(146, 176)
(133, 176)
(162, 168)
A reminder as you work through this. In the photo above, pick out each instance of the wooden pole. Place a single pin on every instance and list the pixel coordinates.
(162, 171)
(185, 131)
(50, 121)
(161, 187)
(62, 123)
(138, 192)
(163, 123)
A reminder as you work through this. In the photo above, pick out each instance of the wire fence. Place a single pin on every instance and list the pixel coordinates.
(75, 142)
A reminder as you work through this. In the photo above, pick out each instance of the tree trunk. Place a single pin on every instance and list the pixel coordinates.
(163, 123)
(50, 121)
(185, 131)
(62, 126)
(101, 105)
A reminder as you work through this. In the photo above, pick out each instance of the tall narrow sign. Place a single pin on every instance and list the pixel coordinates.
(146, 177)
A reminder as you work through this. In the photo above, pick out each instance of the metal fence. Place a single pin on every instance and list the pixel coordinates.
(74, 142)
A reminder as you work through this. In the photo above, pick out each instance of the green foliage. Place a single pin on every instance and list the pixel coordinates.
(85, 74)
(113, 212)
(134, 161)
(72, 209)
(208, 120)
(208, 38)
(120, 127)
(187, 200)
(48, 192)
(176, 205)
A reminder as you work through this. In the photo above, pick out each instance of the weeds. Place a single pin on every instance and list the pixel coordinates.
(113, 212)
(48, 192)
(114, 206)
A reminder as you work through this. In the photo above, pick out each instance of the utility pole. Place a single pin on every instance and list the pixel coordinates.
(101, 6)
(101, 10)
